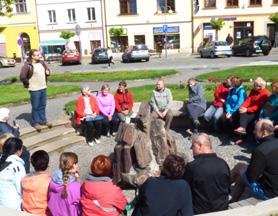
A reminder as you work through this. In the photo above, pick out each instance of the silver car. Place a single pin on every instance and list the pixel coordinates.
(215, 48)
(137, 52)
(6, 62)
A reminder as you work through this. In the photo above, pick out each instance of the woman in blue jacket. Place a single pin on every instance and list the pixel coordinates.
(235, 98)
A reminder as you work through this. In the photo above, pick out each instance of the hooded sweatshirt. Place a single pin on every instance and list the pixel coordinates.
(106, 104)
(35, 190)
(100, 197)
(64, 207)
(235, 99)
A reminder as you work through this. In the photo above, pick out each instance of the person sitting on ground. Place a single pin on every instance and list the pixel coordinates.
(161, 102)
(5, 127)
(249, 110)
(11, 172)
(106, 104)
(168, 194)
(270, 109)
(215, 111)
(64, 189)
(35, 185)
(87, 114)
(208, 177)
(124, 102)
(261, 175)
(235, 98)
(99, 196)
(196, 105)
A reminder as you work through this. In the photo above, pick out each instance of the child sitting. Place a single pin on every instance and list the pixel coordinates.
(64, 189)
(35, 185)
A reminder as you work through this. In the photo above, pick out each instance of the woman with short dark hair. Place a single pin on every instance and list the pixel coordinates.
(168, 194)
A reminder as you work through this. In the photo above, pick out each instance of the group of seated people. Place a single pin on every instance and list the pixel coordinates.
(200, 186)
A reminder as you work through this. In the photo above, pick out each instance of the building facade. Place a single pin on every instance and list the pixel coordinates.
(149, 22)
(19, 33)
(242, 18)
(84, 16)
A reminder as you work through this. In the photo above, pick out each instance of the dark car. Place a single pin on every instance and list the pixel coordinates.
(70, 56)
(136, 53)
(252, 45)
(99, 56)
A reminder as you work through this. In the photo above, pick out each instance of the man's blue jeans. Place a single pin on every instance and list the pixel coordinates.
(38, 102)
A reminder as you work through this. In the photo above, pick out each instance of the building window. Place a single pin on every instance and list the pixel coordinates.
(71, 15)
(91, 14)
(210, 3)
(52, 16)
(165, 5)
(255, 2)
(275, 1)
(20, 6)
(128, 7)
(232, 3)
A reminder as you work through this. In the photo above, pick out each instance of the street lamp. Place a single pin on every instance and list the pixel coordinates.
(166, 10)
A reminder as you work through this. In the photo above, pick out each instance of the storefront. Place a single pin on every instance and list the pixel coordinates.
(243, 29)
(167, 35)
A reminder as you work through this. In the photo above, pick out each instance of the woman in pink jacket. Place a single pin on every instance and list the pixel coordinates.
(106, 104)
(99, 196)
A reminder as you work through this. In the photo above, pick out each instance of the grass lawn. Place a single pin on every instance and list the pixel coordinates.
(110, 76)
(16, 93)
(267, 72)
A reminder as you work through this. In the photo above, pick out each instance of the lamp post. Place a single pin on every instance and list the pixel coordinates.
(166, 10)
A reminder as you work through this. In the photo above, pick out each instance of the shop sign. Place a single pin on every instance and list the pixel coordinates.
(229, 18)
(170, 29)
(207, 26)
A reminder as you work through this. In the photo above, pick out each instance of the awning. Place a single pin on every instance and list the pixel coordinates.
(53, 42)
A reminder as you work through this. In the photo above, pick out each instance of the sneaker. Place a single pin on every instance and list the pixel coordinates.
(47, 124)
(91, 143)
(189, 132)
(240, 130)
(239, 142)
(37, 127)
(108, 134)
(114, 134)
(97, 141)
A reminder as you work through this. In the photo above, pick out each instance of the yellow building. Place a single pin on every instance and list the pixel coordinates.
(242, 18)
(19, 33)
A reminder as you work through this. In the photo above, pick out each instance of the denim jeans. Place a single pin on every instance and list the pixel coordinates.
(38, 102)
(214, 114)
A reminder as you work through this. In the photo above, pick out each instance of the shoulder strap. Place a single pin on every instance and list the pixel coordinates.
(5, 165)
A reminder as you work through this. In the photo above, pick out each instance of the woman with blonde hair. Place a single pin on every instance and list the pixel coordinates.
(64, 189)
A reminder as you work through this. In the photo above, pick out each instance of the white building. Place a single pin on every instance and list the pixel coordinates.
(148, 22)
(55, 16)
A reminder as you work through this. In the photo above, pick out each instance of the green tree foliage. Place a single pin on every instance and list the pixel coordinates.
(116, 32)
(5, 7)
(274, 18)
(217, 24)
(67, 35)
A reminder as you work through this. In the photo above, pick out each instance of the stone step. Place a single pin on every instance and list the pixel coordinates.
(65, 140)
(30, 131)
(48, 136)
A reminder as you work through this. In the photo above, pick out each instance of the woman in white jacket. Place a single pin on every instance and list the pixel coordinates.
(11, 172)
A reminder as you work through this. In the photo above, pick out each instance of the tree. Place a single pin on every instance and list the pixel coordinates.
(116, 33)
(217, 24)
(274, 18)
(6, 7)
(67, 35)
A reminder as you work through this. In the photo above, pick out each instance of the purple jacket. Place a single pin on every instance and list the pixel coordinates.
(64, 207)
(106, 104)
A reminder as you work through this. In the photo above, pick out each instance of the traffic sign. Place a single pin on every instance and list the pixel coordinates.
(165, 28)
(19, 42)
(77, 29)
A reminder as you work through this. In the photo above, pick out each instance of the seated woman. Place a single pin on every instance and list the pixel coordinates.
(196, 104)
(215, 111)
(168, 194)
(99, 196)
(106, 104)
(87, 113)
(235, 98)
(249, 110)
(270, 109)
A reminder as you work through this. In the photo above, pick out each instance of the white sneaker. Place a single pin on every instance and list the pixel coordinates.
(97, 141)
(108, 134)
(114, 134)
(91, 143)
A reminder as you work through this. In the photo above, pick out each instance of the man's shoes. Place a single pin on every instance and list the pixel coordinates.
(97, 141)
(108, 134)
(49, 125)
(189, 131)
(91, 143)
(114, 134)
(37, 127)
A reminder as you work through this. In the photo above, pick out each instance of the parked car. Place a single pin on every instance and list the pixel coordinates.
(7, 62)
(252, 45)
(137, 52)
(215, 48)
(99, 56)
(70, 56)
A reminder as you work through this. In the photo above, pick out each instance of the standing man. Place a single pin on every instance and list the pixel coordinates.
(33, 75)
(208, 177)
(110, 56)
(161, 103)
(229, 39)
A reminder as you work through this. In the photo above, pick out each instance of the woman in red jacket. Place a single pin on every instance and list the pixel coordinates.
(87, 114)
(99, 196)
(251, 107)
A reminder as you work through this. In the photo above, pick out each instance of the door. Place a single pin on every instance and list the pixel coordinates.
(139, 39)
(95, 44)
